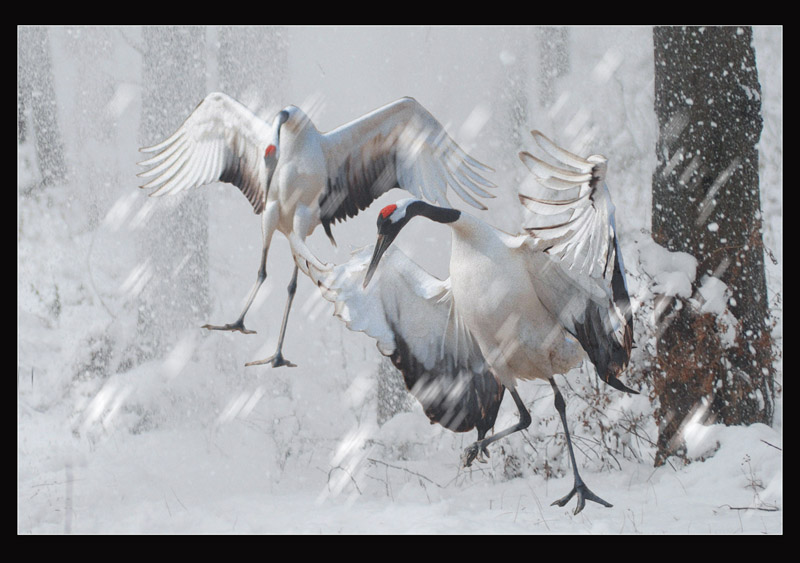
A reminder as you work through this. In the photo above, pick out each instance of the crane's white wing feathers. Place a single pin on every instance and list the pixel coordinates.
(402, 299)
(577, 261)
(220, 141)
(399, 145)
(411, 316)
(583, 239)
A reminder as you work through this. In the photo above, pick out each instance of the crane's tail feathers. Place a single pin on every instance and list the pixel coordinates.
(317, 275)
(298, 246)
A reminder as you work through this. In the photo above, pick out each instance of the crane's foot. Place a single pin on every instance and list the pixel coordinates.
(475, 452)
(238, 326)
(275, 361)
(584, 494)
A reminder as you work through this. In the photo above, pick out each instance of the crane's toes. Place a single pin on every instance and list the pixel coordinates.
(475, 452)
(469, 455)
(238, 326)
(584, 494)
(275, 361)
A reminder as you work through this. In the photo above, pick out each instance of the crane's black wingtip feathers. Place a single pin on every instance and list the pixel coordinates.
(617, 384)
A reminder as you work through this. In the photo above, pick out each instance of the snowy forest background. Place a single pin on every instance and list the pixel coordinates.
(133, 426)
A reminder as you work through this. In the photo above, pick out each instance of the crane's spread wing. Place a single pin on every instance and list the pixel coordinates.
(399, 145)
(220, 141)
(576, 258)
(411, 316)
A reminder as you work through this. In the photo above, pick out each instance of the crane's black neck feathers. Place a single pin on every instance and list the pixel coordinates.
(390, 227)
(432, 212)
(283, 116)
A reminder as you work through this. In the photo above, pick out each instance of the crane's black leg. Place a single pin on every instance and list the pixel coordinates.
(269, 220)
(476, 448)
(277, 359)
(580, 488)
(480, 453)
(238, 325)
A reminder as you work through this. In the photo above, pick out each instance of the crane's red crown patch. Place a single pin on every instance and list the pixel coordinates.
(269, 151)
(388, 210)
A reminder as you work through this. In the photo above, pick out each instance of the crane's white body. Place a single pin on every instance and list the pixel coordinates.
(535, 304)
(497, 296)
(299, 175)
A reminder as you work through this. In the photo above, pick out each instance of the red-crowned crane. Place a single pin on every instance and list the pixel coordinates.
(530, 305)
(297, 177)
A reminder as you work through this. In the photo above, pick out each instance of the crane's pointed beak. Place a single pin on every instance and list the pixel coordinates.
(384, 241)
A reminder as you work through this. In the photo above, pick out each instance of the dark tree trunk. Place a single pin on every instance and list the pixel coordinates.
(706, 203)
(175, 245)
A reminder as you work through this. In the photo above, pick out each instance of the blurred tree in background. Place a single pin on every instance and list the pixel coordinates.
(174, 245)
(37, 104)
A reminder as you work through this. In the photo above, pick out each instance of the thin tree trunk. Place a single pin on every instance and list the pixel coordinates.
(392, 395)
(253, 63)
(175, 245)
(36, 98)
(553, 61)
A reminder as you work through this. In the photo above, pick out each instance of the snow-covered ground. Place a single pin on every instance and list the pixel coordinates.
(194, 442)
